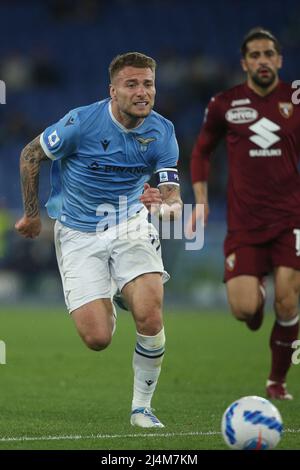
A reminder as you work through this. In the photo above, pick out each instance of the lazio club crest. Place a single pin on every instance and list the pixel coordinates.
(145, 142)
(286, 109)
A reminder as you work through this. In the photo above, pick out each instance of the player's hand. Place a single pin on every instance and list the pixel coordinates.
(29, 227)
(151, 198)
(197, 217)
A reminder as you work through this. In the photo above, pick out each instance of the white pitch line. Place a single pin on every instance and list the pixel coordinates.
(117, 436)
(104, 436)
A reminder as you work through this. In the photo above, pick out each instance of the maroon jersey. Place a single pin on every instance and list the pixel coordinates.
(263, 146)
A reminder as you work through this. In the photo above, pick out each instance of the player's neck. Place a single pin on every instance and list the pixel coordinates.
(129, 122)
(261, 91)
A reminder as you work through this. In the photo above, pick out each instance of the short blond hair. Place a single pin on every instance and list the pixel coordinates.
(130, 59)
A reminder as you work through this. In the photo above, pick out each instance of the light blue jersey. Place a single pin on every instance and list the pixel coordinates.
(98, 163)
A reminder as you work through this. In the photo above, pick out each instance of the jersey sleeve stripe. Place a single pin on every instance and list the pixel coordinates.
(169, 183)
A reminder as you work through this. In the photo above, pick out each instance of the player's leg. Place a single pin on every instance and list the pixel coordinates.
(137, 268)
(95, 323)
(285, 330)
(285, 258)
(246, 298)
(87, 284)
(144, 296)
(244, 270)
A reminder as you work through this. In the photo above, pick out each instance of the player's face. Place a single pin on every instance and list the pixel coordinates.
(262, 62)
(133, 92)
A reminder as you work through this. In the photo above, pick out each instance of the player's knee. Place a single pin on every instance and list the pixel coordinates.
(245, 309)
(97, 342)
(150, 323)
(286, 306)
(241, 315)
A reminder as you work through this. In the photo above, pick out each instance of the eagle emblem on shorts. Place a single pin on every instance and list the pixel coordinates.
(145, 142)
(230, 262)
(286, 109)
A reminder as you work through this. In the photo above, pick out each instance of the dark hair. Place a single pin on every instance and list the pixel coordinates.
(259, 33)
(132, 59)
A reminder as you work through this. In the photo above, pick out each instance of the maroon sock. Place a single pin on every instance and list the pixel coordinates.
(281, 340)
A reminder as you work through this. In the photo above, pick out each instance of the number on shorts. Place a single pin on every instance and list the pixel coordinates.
(296, 231)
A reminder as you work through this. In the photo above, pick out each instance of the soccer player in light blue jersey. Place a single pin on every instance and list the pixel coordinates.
(102, 157)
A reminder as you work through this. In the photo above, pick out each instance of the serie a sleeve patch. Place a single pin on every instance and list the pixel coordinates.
(167, 176)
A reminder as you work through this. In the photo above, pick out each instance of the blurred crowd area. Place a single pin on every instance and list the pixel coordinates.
(54, 56)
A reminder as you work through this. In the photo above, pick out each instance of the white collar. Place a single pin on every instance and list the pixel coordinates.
(124, 129)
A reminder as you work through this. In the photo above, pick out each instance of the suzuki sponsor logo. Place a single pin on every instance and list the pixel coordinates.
(241, 115)
(265, 137)
(265, 153)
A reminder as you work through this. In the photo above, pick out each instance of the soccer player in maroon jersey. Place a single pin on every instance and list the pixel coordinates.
(262, 131)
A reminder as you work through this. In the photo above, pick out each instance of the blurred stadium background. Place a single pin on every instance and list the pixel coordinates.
(54, 56)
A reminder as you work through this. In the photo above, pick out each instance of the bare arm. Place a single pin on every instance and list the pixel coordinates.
(213, 130)
(201, 196)
(31, 157)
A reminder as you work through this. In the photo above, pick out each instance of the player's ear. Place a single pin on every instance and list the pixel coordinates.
(243, 65)
(280, 60)
(112, 91)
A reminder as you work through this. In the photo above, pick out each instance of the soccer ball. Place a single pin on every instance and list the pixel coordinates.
(252, 423)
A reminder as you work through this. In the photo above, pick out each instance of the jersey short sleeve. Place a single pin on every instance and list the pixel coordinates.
(62, 138)
(168, 151)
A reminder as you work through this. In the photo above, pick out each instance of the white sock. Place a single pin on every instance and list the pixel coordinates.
(290, 322)
(147, 359)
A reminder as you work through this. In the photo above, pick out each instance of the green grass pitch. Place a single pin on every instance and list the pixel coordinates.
(56, 394)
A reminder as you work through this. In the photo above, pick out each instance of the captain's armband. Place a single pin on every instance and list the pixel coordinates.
(167, 176)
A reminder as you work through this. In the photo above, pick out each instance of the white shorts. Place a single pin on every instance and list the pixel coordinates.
(93, 264)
